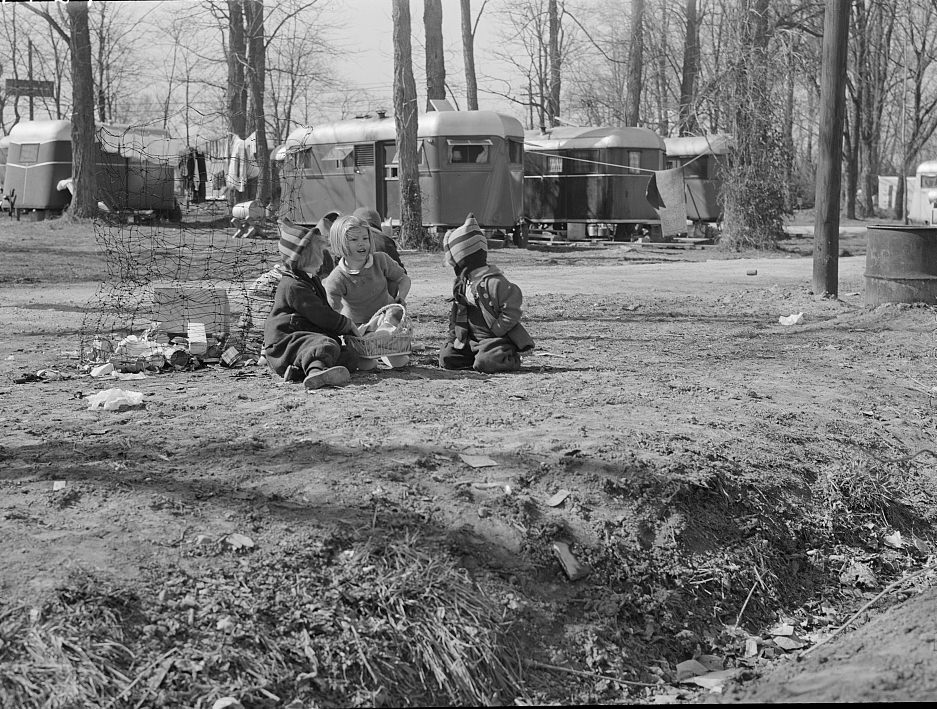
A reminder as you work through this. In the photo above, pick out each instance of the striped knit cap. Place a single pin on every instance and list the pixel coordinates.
(463, 241)
(293, 239)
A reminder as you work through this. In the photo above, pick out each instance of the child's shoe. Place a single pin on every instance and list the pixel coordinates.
(331, 377)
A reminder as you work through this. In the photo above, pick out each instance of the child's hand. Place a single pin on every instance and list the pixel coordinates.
(401, 301)
(351, 329)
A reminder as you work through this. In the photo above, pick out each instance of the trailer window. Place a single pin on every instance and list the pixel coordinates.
(391, 165)
(515, 151)
(554, 165)
(337, 156)
(582, 162)
(634, 161)
(695, 167)
(468, 151)
(29, 153)
(926, 180)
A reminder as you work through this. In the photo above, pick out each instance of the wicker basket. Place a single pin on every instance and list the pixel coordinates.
(397, 342)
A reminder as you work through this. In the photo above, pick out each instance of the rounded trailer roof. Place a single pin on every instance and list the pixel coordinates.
(40, 131)
(433, 123)
(927, 166)
(575, 138)
(689, 146)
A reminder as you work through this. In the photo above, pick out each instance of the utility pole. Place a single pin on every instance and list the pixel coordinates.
(829, 164)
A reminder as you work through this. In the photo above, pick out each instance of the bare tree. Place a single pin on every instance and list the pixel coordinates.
(435, 60)
(918, 88)
(553, 43)
(256, 75)
(84, 201)
(636, 64)
(115, 35)
(297, 67)
(468, 52)
(405, 119)
(538, 45)
(237, 67)
(691, 67)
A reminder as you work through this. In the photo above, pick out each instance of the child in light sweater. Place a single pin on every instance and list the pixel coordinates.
(363, 280)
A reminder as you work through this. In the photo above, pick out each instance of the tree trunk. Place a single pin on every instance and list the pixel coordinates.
(405, 120)
(833, 79)
(254, 16)
(663, 107)
(237, 60)
(689, 124)
(553, 97)
(237, 85)
(635, 64)
(84, 201)
(468, 56)
(851, 164)
(102, 97)
(435, 61)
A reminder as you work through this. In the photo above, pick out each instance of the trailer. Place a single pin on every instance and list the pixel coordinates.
(591, 180)
(703, 159)
(922, 194)
(133, 168)
(469, 161)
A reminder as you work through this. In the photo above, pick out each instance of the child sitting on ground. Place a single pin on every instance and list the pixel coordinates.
(485, 332)
(301, 333)
(379, 240)
(363, 280)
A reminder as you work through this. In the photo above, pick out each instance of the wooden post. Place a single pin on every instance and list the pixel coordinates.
(829, 163)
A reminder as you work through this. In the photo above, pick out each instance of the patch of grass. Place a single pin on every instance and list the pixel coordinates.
(338, 625)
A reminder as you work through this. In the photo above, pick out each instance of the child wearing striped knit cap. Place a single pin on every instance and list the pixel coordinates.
(301, 333)
(485, 330)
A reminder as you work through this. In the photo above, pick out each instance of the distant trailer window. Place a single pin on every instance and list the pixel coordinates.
(468, 151)
(391, 168)
(515, 151)
(336, 157)
(926, 180)
(582, 162)
(696, 167)
(634, 161)
(29, 153)
(554, 165)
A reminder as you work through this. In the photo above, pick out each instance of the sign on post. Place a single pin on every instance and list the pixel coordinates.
(30, 87)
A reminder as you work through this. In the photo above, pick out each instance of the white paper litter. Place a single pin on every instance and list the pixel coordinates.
(792, 319)
(113, 399)
(477, 461)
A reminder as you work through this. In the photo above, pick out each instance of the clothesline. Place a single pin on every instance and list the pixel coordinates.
(605, 164)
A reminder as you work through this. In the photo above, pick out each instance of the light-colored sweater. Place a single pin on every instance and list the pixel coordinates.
(361, 294)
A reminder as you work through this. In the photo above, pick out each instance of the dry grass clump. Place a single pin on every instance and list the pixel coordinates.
(68, 654)
(864, 489)
(366, 625)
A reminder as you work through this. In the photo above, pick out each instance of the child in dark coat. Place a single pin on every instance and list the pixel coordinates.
(301, 334)
(485, 332)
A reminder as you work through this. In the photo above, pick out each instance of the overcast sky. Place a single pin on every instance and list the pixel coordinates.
(367, 28)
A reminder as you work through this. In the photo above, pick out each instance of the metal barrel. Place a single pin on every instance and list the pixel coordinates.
(901, 264)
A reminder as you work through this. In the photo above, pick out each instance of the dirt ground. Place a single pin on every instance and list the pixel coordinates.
(733, 484)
